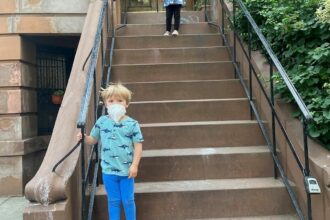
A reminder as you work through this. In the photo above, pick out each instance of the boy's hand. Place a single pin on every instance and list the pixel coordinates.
(132, 172)
(79, 136)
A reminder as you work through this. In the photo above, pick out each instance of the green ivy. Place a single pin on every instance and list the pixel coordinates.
(301, 42)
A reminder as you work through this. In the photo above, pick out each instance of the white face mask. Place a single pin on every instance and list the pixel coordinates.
(116, 111)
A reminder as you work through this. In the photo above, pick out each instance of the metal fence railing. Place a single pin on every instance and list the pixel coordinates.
(226, 21)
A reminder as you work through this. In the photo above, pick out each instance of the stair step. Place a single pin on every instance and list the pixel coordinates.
(215, 198)
(170, 55)
(190, 110)
(183, 90)
(169, 72)
(205, 163)
(273, 217)
(201, 134)
(159, 29)
(159, 17)
(138, 42)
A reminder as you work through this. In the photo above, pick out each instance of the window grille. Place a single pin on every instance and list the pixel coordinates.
(51, 70)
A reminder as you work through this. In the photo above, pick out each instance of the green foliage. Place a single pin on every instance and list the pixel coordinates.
(301, 42)
(323, 13)
(199, 4)
(58, 92)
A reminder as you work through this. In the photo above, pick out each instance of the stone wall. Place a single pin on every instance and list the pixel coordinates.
(21, 150)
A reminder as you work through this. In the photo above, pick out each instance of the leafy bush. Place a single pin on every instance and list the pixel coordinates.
(199, 4)
(301, 42)
(323, 13)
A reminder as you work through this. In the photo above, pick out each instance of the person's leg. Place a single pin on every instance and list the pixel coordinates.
(112, 186)
(169, 15)
(127, 196)
(177, 13)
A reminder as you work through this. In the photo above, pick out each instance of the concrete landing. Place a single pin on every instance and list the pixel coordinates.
(11, 208)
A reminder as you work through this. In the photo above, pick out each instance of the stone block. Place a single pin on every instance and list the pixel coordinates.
(14, 47)
(17, 127)
(4, 25)
(26, 146)
(28, 51)
(8, 6)
(11, 178)
(10, 47)
(17, 74)
(18, 101)
(16, 171)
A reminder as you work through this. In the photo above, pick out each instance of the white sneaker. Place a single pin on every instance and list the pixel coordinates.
(167, 33)
(175, 33)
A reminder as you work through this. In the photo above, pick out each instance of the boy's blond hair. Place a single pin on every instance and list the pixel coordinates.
(116, 90)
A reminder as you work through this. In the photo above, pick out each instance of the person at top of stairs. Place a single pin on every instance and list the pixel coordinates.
(173, 8)
(121, 150)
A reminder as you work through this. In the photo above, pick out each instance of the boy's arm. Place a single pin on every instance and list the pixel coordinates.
(133, 170)
(89, 140)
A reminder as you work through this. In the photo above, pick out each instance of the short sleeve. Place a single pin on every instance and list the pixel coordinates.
(137, 134)
(95, 132)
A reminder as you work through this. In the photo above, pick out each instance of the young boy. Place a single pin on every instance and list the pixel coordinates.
(173, 9)
(121, 148)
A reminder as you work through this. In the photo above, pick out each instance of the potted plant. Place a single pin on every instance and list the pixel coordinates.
(57, 97)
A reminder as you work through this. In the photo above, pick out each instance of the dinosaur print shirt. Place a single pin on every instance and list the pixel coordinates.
(117, 149)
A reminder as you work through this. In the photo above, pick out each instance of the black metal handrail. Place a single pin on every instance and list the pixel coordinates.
(273, 62)
(81, 122)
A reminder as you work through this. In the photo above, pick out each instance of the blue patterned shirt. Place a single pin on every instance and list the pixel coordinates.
(174, 2)
(117, 143)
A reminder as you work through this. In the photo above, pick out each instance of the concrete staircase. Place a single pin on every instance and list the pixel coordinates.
(203, 156)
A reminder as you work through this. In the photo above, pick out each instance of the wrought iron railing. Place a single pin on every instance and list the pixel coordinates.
(89, 176)
(227, 20)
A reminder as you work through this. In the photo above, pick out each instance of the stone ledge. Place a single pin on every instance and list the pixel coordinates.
(28, 24)
(44, 6)
(36, 211)
(23, 147)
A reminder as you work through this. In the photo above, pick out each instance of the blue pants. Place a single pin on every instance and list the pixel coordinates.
(120, 189)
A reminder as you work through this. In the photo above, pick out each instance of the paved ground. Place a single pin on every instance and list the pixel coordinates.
(11, 208)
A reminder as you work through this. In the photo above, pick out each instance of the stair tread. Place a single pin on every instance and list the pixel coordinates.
(186, 81)
(205, 151)
(199, 123)
(203, 185)
(161, 36)
(162, 25)
(208, 185)
(164, 64)
(170, 48)
(190, 100)
(271, 217)
(158, 29)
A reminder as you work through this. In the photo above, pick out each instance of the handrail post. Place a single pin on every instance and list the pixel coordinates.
(250, 70)
(205, 16)
(307, 171)
(223, 21)
(83, 184)
(272, 99)
(95, 96)
(234, 33)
